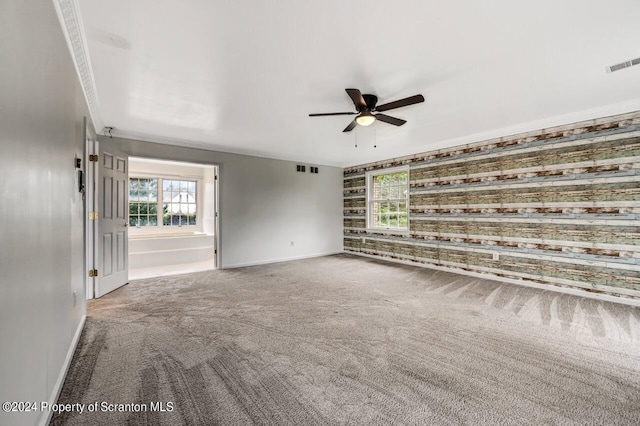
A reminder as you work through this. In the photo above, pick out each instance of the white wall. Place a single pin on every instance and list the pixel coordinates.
(147, 166)
(183, 250)
(264, 204)
(41, 226)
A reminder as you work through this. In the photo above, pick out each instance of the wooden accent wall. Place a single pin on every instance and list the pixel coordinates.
(560, 206)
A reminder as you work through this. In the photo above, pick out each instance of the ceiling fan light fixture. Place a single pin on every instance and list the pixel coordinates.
(365, 119)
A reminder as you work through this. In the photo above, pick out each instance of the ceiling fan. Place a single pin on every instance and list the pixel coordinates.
(366, 106)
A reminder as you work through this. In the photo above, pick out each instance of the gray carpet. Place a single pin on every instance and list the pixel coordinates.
(347, 340)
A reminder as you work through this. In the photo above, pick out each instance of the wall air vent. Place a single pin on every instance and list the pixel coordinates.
(623, 65)
(300, 168)
(313, 169)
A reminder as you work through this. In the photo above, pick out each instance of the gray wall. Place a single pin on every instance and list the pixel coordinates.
(41, 255)
(264, 204)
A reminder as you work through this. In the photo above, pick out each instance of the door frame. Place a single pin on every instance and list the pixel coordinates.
(217, 213)
(91, 227)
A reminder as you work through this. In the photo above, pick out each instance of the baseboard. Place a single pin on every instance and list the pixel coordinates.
(525, 283)
(284, 259)
(45, 417)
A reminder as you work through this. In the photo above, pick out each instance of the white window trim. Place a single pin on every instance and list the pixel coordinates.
(149, 231)
(369, 179)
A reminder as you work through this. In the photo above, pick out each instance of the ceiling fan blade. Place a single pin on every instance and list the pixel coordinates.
(350, 127)
(401, 103)
(357, 99)
(390, 120)
(332, 113)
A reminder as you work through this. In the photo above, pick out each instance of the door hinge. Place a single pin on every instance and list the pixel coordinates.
(93, 215)
(93, 158)
(215, 177)
(93, 273)
(215, 251)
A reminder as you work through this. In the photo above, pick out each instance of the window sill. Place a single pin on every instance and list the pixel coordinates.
(387, 231)
(135, 236)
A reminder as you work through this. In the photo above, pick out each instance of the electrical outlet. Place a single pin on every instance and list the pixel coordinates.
(496, 256)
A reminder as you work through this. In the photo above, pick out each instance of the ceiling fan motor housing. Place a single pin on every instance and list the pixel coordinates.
(371, 101)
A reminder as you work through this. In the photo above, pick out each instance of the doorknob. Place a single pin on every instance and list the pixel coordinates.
(126, 224)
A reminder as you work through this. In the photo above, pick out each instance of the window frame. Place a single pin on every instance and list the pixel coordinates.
(369, 176)
(160, 228)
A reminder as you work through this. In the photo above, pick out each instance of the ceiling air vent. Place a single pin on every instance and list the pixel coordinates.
(623, 65)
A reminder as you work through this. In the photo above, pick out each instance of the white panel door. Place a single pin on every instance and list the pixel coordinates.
(113, 193)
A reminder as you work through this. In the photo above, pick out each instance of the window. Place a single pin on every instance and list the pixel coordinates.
(143, 202)
(388, 199)
(174, 206)
(178, 202)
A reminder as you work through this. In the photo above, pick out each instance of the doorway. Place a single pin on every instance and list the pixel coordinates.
(173, 217)
(169, 214)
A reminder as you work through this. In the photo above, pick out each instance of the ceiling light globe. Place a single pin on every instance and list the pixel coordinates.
(365, 119)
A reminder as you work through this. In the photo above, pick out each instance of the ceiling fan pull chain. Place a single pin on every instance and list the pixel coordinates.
(375, 138)
(356, 137)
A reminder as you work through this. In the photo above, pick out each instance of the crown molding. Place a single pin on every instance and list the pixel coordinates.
(71, 22)
(145, 137)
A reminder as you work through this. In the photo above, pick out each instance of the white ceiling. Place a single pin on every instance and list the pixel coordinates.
(242, 76)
